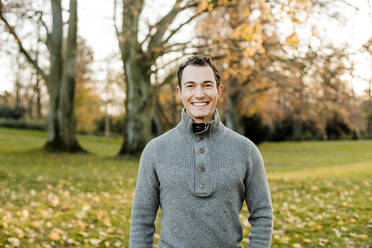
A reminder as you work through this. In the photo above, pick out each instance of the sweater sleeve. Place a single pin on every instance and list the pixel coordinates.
(146, 201)
(258, 201)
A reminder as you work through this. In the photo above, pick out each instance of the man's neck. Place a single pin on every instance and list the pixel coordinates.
(201, 121)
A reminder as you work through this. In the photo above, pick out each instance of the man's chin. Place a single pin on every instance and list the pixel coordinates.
(200, 117)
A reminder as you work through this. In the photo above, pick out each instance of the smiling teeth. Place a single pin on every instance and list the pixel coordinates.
(199, 103)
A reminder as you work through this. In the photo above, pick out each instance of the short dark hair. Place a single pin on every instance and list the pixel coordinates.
(198, 60)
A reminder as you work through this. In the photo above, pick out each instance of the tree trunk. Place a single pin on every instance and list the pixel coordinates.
(61, 84)
(107, 126)
(66, 114)
(369, 113)
(138, 115)
(297, 129)
(38, 97)
(18, 84)
(54, 80)
(232, 116)
(139, 91)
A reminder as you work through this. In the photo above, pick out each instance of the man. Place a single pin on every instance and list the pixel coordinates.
(200, 173)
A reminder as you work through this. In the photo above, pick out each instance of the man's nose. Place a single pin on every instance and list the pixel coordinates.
(199, 91)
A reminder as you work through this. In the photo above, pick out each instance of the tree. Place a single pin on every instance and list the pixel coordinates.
(140, 62)
(87, 104)
(61, 76)
(368, 103)
(244, 37)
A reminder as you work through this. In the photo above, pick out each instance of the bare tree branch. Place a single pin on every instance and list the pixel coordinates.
(173, 32)
(117, 32)
(369, 8)
(163, 24)
(168, 79)
(38, 12)
(32, 61)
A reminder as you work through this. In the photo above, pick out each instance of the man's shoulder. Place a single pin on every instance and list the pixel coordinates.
(164, 138)
(237, 138)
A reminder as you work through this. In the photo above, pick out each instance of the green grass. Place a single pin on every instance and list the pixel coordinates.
(321, 193)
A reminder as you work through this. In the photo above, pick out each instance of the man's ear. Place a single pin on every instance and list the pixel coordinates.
(179, 91)
(219, 89)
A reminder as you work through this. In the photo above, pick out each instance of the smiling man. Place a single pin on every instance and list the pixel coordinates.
(200, 173)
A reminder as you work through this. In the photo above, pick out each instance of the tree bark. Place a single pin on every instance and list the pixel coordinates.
(233, 118)
(138, 115)
(61, 126)
(139, 91)
(54, 141)
(66, 116)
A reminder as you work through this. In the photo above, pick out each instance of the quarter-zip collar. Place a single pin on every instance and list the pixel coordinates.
(214, 128)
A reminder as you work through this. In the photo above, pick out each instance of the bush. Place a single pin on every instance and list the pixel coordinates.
(22, 124)
(15, 113)
(116, 125)
(255, 129)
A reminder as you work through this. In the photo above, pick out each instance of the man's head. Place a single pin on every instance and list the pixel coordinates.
(199, 87)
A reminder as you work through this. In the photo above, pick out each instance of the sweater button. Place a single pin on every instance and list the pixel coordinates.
(201, 137)
(202, 150)
(202, 168)
(202, 185)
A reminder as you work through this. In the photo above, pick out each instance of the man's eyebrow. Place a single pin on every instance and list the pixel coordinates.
(192, 82)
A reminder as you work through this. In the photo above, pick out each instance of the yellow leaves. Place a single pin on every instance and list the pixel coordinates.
(292, 39)
(306, 241)
(249, 51)
(284, 239)
(80, 214)
(55, 234)
(203, 5)
(246, 13)
(245, 30)
(251, 32)
(106, 221)
(19, 232)
(295, 20)
(95, 241)
(54, 200)
(314, 188)
(361, 236)
(36, 224)
(318, 227)
(14, 241)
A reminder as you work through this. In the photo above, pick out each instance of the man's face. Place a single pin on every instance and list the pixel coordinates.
(199, 93)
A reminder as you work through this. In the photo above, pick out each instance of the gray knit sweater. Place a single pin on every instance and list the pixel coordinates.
(200, 182)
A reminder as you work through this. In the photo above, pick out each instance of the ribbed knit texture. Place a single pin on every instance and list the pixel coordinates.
(200, 185)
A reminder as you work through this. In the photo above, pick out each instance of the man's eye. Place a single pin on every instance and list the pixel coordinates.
(188, 86)
(209, 85)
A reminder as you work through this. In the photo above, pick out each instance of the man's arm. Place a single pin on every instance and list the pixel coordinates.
(146, 201)
(258, 201)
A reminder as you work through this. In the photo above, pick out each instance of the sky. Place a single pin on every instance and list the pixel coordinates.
(96, 26)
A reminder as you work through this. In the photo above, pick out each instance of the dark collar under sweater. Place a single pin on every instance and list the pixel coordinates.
(213, 128)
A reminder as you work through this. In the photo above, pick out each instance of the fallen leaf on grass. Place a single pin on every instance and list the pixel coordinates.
(14, 241)
(362, 236)
(54, 235)
(314, 188)
(95, 241)
(306, 241)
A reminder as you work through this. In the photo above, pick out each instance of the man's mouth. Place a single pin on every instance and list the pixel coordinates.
(199, 103)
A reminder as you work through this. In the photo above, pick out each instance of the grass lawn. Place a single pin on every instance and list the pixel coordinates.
(321, 193)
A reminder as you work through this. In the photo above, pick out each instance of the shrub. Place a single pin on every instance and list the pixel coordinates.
(15, 113)
(22, 124)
